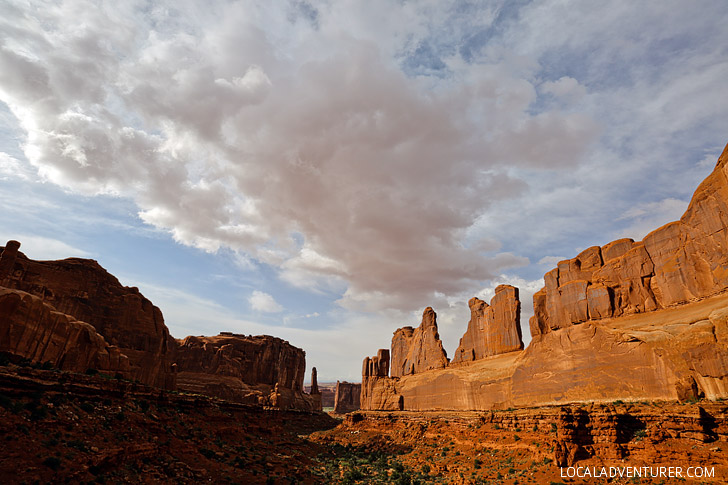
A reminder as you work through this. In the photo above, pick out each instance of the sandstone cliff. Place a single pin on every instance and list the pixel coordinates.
(75, 315)
(493, 329)
(34, 330)
(251, 369)
(83, 289)
(624, 321)
(682, 261)
(420, 349)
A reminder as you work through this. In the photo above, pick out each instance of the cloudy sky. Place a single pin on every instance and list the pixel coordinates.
(323, 170)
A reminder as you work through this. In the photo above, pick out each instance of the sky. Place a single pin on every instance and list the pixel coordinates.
(322, 171)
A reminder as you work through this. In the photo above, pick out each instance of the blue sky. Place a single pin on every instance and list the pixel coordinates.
(322, 171)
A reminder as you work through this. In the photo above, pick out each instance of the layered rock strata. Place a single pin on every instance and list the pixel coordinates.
(347, 397)
(76, 316)
(83, 289)
(250, 369)
(680, 262)
(420, 349)
(629, 320)
(493, 329)
(34, 330)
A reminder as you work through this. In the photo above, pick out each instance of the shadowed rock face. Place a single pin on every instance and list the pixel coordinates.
(251, 369)
(420, 349)
(493, 329)
(680, 262)
(75, 315)
(347, 397)
(84, 290)
(34, 330)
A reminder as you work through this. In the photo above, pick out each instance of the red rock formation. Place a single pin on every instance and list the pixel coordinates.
(76, 315)
(250, 369)
(347, 397)
(83, 289)
(316, 397)
(420, 349)
(34, 330)
(630, 320)
(493, 329)
(682, 261)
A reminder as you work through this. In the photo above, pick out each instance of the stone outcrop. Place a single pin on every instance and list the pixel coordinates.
(493, 329)
(683, 261)
(315, 393)
(645, 320)
(250, 369)
(347, 397)
(418, 350)
(86, 291)
(75, 315)
(34, 330)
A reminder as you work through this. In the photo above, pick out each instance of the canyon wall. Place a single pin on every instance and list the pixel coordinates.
(76, 316)
(680, 262)
(624, 321)
(83, 289)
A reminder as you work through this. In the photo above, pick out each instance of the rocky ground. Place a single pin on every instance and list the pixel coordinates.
(62, 427)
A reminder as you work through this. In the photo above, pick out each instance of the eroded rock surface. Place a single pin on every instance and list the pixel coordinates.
(493, 329)
(84, 290)
(420, 349)
(680, 262)
(34, 330)
(251, 369)
(347, 397)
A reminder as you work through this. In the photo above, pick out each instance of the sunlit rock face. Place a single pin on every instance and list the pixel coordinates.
(628, 320)
(493, 329)
(420, 349)
(683, 261)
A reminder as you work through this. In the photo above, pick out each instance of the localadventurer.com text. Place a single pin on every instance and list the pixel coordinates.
(637, 472)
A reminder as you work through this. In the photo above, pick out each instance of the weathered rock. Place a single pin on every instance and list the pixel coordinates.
(493, 329)
(348, 397)
(34, 330)
(668, 354)
(420, 349)
(683, 261)
(83, 289)
(631, 320)
(249, 369)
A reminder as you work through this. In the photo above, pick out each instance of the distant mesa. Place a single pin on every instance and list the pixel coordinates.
(75, 315)
(639, 320)
(348, 396)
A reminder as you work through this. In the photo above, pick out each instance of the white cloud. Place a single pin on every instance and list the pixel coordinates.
(263, 302)
(645, 218)
(234, 134)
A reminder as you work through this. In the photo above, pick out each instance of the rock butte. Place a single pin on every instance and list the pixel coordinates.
(627, 320)
(75, 315)
(347, 397)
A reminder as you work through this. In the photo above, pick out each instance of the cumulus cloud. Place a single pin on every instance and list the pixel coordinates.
(313, 152)
(361, 154)
(263, 302)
